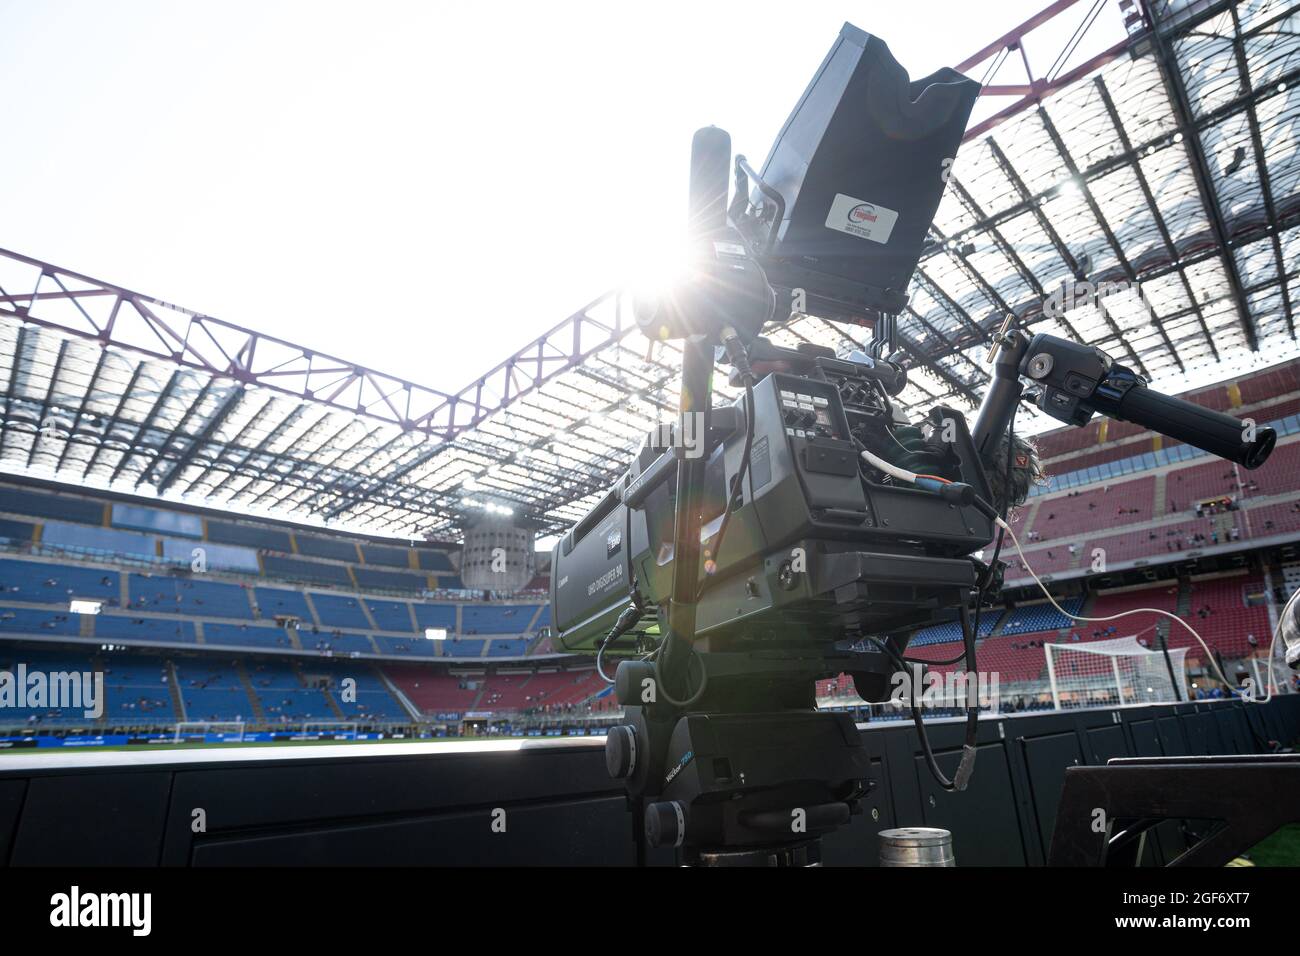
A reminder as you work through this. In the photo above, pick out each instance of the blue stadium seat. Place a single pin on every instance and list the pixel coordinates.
(297, 569)
(122, 628)
(390, 580)
(254, 536)
(41, 504)
(436, 615)
(18, 531)
(170, 595)
(212, 691)
(342, 644)
(137, 690)
(19, 620)
(438, 561)
(273, 601)
(39, 582)
(460, 648)
(282, 695)
(495, 619)
(386, 556)
(390, 615)
(246, 635)
(1040, 617)
(409, 646)
(336, 610)
(335, 549)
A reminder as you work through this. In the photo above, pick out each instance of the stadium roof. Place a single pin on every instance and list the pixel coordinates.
(1166, 163)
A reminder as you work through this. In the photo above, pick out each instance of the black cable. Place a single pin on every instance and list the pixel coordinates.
(997, 548)
(966, 767)
(737, 481)
(959, 779)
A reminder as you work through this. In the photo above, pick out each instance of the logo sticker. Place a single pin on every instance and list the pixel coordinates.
(860, 218)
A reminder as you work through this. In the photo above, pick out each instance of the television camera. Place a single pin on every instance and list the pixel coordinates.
(810, 528)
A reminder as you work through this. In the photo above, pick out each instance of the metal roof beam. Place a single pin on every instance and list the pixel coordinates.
(209, 429)
(146, 424)
(1171, 74)
(45, 402)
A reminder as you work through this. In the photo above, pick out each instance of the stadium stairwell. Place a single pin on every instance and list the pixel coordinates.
(173, 689)
(254, 700)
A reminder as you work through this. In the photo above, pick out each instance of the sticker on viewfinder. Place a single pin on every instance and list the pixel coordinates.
(862, 219)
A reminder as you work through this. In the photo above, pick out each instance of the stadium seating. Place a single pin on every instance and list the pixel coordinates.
(45, 583)
(390, 615)
(377, 579)
(355, 598)
(138, 691)
(211, 690)
(283, 697)
(246, 635)
(415, 646)
(309, 572)
(390, 557)
(1039, 617)
(170, 595)
(20, 620)
(436, 615)
(129, 629)
(335, 610)
(273, 601)
(432, 692)
(488, 619)
(335, 549)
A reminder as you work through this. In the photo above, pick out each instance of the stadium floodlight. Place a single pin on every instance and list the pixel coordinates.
(435, 633)
(84, 607)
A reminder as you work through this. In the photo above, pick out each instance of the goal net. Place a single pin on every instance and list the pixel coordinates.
(1114, 673)
(209, 731)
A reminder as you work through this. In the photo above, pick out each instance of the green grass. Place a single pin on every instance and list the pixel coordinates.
(153, 748)
(1280, 849)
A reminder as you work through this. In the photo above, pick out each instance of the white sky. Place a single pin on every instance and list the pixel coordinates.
(418, 187)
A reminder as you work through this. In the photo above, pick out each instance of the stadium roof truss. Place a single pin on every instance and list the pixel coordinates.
(1151, 191)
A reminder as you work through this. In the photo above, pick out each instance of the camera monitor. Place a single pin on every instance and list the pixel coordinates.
(855, 177)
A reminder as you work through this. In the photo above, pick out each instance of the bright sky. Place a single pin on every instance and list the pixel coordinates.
(418, 187)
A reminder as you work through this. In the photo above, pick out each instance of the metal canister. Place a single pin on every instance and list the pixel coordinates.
(916, 846)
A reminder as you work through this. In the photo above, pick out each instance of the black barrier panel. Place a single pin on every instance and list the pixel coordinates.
(551, 802)
(11, 802)
(982, 819)
(1102, 743)
(102, 820)
(1046, 759)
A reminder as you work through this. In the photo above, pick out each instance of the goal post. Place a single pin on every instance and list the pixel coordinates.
(1272, 676)
(199, 731)
(337, 729)
(1115, 673)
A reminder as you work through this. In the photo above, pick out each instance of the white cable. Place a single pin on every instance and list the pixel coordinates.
(902, 474)
(1148, 610)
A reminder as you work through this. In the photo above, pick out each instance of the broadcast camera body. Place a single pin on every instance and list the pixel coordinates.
(808, 528)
